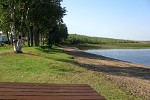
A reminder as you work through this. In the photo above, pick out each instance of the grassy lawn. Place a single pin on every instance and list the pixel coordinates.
(36, 65)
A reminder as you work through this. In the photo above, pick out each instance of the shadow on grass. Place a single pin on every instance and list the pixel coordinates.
(55, 50)
(49, 53)
(140, 72)
(69, 61)
(46, 49)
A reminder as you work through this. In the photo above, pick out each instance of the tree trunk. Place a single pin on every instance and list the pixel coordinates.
(31, 30)
(11, 39)
(29, 33)
(8, 37)
(19, 45)
(13, 31)
(43, 41)
(40, 38)
(36, 37)
(49, 41)
(15, 43)
(23, 38)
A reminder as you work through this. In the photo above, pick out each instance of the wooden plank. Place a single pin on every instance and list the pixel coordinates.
(43, 84)
(37, 91)
(46, 94)
(52, 88)
(45, 90)
(53, 97)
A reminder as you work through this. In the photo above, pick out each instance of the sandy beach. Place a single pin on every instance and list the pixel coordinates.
(132, 77)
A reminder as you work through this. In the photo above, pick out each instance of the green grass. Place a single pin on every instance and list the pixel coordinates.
(36, 65)
(5, 48)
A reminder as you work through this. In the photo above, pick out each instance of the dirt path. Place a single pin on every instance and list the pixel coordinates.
(133, 77)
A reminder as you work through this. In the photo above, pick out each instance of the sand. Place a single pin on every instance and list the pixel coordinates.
(134, 78)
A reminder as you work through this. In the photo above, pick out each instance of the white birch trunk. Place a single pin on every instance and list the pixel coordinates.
(15, 41)
(19, 46)
(13, 32)
(15, 47)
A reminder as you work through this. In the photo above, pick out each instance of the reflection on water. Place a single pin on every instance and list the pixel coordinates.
(140, 56)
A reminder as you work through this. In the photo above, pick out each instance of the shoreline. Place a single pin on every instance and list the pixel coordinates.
(142, 64)
(135, 78)
(104, 57)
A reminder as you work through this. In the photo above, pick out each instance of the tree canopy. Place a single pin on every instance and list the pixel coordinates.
(33, 17)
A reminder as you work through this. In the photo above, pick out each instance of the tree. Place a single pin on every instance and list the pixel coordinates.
(32, 17)
(8, 8)
(61, 33)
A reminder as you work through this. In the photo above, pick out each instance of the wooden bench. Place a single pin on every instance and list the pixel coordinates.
(30, 91)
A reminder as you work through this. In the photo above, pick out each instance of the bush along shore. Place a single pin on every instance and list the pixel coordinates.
(86, 42)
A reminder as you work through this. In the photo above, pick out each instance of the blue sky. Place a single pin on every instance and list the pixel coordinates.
(121, 19)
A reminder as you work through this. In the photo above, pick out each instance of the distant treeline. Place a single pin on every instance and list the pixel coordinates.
(81, 39)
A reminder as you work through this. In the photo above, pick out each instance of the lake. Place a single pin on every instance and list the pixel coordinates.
(139, 56)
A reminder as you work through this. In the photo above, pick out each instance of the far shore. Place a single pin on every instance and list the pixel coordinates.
(132, 77)
(140, 45)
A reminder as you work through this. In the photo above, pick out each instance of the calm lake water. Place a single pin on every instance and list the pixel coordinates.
(140, 56)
